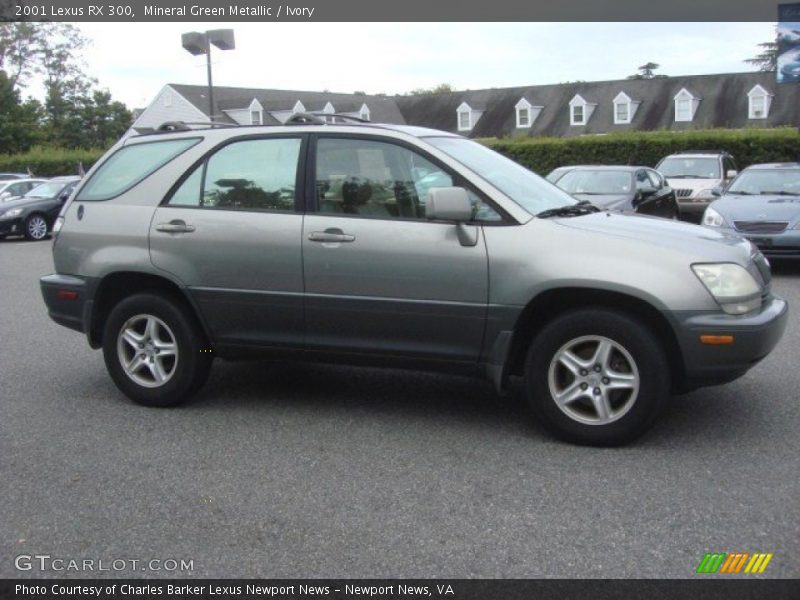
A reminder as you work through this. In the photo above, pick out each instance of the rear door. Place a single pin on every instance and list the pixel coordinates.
(230, 232)
(380, 278)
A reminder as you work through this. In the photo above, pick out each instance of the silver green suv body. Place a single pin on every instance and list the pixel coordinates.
(399, 247)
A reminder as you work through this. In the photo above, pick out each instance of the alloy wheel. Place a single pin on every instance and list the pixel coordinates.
(147, 350)
(593, 380)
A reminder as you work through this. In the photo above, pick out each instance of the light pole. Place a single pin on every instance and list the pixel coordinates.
(196, 42)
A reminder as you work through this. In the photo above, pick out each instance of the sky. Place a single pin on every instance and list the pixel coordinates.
(134, 60)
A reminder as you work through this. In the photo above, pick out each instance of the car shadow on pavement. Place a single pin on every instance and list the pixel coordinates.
(383, 392)
(704, 418)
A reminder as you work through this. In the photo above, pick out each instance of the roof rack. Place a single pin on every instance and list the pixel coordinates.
(185, 125)
(319, 118)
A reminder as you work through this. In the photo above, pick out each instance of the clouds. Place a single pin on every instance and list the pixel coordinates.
(135, 59)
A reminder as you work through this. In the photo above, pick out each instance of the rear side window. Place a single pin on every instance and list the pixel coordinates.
(244, 175)
(130, 165)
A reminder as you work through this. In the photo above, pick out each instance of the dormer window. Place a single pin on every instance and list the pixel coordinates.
(255, 117)
(298, 107)
(364, 113)
(758, 103)
(464, 117)
(624, 109)
(526, 113)
(580, 111)
(685, 106)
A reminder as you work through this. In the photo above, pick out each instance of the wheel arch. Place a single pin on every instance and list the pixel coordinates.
(553, 302)
(116, 286)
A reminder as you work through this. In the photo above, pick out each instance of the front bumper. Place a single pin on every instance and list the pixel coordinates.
(755, 335)
(774, 245)
(11, 227)
(694, 206)
(69, 300)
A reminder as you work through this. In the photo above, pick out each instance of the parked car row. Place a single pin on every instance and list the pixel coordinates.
(762, 204)
(681, 186)
(29, 207)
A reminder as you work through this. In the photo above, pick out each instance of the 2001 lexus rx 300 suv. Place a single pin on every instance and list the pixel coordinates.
(398, 246)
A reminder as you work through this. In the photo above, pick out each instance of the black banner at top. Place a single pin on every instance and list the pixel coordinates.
(399, 11)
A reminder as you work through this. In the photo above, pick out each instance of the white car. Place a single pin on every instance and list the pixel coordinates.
(17, 187)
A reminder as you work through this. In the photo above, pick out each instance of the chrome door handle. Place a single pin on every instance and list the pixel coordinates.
(176, 226)
(331, 235)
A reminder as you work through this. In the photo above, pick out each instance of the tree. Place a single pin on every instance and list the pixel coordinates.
(19, 125)
(647, 71)
(767, 60)
(442, 88)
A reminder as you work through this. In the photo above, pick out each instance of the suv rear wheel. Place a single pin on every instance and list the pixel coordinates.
(155, 353)
(596, 377)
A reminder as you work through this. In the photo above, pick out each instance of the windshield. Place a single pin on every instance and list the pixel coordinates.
(786, 182)
(596, 182)
(524, 187)
(690, 168)
(46, 190)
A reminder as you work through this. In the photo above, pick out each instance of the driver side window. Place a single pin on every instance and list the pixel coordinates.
(380, 180)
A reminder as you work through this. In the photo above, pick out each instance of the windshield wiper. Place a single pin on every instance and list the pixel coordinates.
(742, 193)
(779, 193)
(584, 207)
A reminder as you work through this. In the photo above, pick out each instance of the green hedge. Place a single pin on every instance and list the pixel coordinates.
(748, 146)
(49, 162)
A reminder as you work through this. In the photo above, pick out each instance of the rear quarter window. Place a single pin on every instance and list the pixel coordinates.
(129, 165)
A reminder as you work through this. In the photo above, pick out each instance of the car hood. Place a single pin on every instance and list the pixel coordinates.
(21, 201)
(695, 185)
(605, 200)
(758, 208)
(699, 243)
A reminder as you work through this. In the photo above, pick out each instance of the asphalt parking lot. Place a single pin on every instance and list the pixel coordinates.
(290, 470)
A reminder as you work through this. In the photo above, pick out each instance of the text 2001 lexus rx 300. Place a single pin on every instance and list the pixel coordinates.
(398, 246)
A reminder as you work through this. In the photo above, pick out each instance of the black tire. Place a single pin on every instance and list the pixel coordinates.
(635, 412)
(34, 231)
(187, 373)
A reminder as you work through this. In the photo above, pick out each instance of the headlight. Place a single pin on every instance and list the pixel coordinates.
(10, 214)
(731, 285)
(713, 219)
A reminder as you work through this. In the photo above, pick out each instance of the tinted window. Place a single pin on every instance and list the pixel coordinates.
(188, 194)
(784, 182)
(655, 179)
(595, 182)
(130, 165)
(690, 168)
(379, 179)
(524, 187)
(252, 175)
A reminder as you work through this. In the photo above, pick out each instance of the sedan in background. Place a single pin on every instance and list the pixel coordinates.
(763, 205)
(638, 190)
(7, 176)
(33, 214)
(12, 188)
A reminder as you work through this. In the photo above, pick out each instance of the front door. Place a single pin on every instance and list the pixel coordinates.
(231, 234)
(379, 277)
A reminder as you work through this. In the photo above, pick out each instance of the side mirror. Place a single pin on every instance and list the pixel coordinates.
(731, 173)
(717, 191)
(63, 197)
(643, 193)
(452, 204)
(448, 204)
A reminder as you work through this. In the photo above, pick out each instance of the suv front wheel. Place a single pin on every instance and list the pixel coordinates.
(156, 353)
(596, 377)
